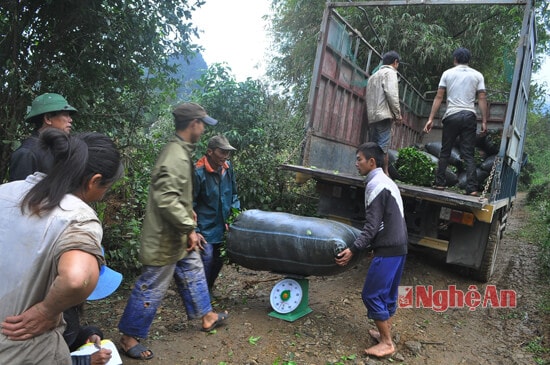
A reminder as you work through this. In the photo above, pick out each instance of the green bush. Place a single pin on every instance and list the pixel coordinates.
(262, 128)
(123, 208)
(539, 192)
(414, 167)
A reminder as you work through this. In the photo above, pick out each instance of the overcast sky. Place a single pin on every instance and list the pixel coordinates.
(234, 32)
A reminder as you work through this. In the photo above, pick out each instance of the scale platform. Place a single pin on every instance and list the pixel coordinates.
(290, 299)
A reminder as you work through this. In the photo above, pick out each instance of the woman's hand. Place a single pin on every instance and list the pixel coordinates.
(31, 323)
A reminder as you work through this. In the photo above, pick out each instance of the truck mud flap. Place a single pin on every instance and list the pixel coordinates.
(467, 244)
(289, 244)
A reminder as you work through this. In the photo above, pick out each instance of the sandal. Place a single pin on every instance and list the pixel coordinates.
(136, 351)
(221, 318)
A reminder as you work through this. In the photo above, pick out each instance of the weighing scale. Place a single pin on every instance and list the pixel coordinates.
(290, 299)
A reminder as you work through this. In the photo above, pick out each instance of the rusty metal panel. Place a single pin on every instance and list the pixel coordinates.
(336, 114)
(425, 2)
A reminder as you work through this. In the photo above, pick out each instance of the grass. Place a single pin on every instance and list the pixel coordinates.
(536, 347)
(537, 231)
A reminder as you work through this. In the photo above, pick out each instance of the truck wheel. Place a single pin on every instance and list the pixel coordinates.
(489, 260)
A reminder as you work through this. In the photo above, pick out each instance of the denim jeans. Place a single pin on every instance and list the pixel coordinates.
(151, 286)
(212, 261)
(380, 132)
(462, 124)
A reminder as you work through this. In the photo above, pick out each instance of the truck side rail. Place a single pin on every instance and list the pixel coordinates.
(336, 113)
(510, 162)
(481, 207)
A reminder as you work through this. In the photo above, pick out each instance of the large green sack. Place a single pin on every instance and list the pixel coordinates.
(289, 244)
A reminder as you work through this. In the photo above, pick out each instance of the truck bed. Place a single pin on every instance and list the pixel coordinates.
(447, 197)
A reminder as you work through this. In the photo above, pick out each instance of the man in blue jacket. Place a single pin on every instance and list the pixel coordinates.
(214, 196)
(385, 233)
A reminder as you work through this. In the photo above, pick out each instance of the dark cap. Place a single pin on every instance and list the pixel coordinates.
(190, 111)
(220, 142)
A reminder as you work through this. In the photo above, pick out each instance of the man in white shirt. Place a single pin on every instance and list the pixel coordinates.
(462, 84)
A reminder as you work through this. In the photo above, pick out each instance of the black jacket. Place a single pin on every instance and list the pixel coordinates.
(29, 158)
(385, 229)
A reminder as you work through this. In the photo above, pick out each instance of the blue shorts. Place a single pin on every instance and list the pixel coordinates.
(381, 286)
(380, 133)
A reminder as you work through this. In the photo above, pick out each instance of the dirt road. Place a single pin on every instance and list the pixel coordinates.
(336, 331)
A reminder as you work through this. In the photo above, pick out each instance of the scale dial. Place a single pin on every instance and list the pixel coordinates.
(286, 296)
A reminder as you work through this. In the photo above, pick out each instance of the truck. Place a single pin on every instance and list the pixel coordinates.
(466, 230)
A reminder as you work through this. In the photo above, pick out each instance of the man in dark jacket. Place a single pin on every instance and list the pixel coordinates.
(47, 111)
(214, 195)
(385, 233)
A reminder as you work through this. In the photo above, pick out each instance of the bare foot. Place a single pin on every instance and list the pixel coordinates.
(375, 334)
(381, 350)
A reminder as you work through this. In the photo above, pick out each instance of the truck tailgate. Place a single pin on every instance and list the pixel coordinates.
(446, 197)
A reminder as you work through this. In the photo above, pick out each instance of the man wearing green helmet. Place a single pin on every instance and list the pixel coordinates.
(47, 111)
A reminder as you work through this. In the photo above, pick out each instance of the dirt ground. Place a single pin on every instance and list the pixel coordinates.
(336, 331)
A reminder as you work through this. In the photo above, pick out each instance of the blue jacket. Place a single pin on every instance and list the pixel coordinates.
(214, 194)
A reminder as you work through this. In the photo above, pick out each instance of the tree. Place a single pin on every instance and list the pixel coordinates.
(295, 27)
(262, 128)
(424, 35)
(536, 147)
(265, 132)
(95, 53)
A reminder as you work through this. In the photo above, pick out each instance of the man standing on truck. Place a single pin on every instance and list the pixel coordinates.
(383, 103)
(385, 233)
(462, 83)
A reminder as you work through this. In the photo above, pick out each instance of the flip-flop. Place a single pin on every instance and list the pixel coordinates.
(136, 351)
(221, 318)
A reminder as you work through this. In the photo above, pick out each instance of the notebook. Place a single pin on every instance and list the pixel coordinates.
(90, 348)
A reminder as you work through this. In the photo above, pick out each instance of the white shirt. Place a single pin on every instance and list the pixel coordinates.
(462, 83)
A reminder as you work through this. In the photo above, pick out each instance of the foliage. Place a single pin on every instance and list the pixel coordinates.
(108, 58)
(414, 167)
(295, 28)
(424, 35)
(537, 229)
(537, 347)
(279, 361)
(539, 223)
(259, 125)
(253, 340)
(119, 63)
(126, 203)
(536, 146)
(538, 195)
(539, 192)
(265, 134)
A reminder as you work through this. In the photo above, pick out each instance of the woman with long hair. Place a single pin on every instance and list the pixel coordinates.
(50, 239)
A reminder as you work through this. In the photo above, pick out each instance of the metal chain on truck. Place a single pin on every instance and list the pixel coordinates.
(490, 178)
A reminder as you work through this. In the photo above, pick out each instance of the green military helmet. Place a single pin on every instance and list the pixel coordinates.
(47, 103)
